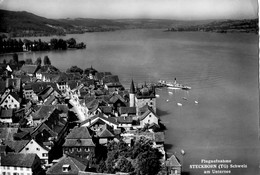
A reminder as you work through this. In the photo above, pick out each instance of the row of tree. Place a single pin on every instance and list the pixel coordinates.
(13, 45)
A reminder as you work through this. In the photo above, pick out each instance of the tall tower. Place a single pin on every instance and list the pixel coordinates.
(132, 94)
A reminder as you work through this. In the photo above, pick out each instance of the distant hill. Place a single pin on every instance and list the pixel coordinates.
(24, 23)
(28, 24)
(222, 26)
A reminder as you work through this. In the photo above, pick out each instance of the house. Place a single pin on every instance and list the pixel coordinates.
(14, 83)
(117, 101)
(105, 133)
(33, 90)
(110, 79)
(98, 120)
(90, 72)
(173, 166)
(126, 111)
(48, 92)
(113, 87)
(6, 115)
(50, 133)
(17, 163)
(45, 110)
(16, 145)
(145, 96)
(46, 77)
(80, 143)
(10, 100)
(125, 122)
(27, 92)
(30, 69)
(148, 117)
(66, 165)
(33, 147)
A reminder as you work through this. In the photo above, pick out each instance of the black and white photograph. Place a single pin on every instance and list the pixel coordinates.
(129, 87)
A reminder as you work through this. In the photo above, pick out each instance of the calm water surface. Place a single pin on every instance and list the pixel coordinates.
(222, 70)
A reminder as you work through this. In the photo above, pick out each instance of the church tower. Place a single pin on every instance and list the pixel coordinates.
(132, 94)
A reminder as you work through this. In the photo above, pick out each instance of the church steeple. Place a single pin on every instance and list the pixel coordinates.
(132, 95)
(132, 87)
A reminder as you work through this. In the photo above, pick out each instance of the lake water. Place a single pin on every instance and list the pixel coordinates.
(222, 70)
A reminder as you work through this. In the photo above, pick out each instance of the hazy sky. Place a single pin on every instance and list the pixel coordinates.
(169, 9)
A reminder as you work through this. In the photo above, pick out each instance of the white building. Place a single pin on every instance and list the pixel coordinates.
(18, 164)
(10, 100)
(34, 147)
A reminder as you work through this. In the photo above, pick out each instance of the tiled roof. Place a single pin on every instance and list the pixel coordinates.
(18, 160)
(75, 166)
(17, 145)
(43, 112)
(127, 110)
(15, 95)
(101, 116)
(125, 119)
(46, 92)
(92, 104)
(147, 113)
(49, 69)
(106, 109)
(37, 87)
(29, 69)
(50, 100)
(21, 135)
(6, 113)
(116, 97)
(105, 132)
(78, 142)
(172, 161)
(145, 108)
(79, 133)
(110, 79)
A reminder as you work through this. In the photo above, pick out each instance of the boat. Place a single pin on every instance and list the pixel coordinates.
(196, 102)
(184, 98)
(174, 85)
(179, 104)
(157, 95)
(170, 93)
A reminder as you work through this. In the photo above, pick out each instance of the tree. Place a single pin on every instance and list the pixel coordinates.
(101, 168)
(46, 61)
(147, 158)
(71, 42)
(62, 44)
(38, 61)
(15, 58)
(124, 165)
(75, 69)
(54, 43)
